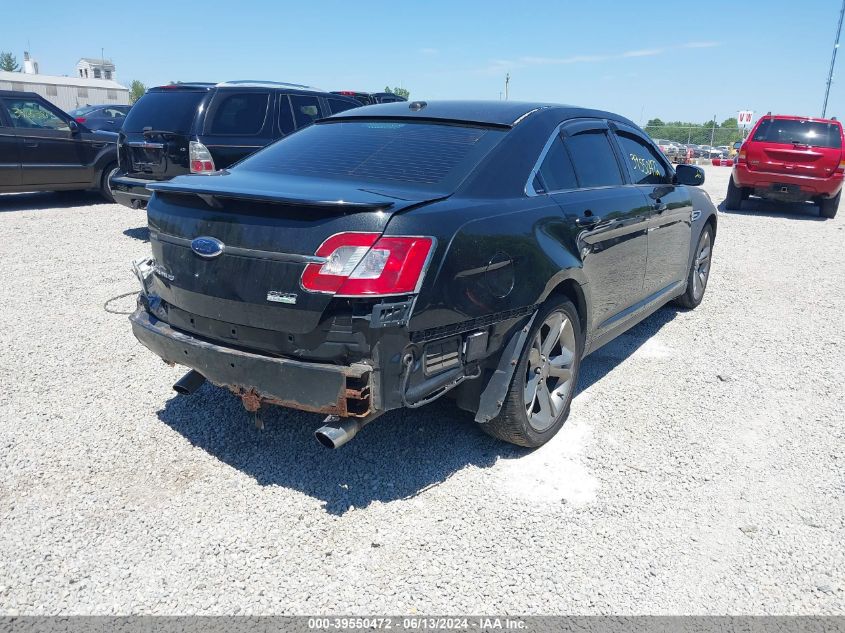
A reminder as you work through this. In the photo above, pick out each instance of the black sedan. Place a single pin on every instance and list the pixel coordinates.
(101, 117)
(395, 253)
(43, 148)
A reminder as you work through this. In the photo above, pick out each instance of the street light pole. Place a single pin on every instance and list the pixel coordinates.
(833, 59)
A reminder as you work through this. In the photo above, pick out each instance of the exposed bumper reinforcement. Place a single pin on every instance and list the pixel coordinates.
(342, 390)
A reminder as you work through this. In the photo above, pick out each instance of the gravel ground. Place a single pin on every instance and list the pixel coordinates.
(701, 470)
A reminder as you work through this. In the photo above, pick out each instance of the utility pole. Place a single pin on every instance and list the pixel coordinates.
(508, 80)
(713, 131)
(833, 59)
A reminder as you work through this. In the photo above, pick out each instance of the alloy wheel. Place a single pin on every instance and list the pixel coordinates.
(549, 371)
(701, 267)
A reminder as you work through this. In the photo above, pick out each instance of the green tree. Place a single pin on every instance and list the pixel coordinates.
(399, 92)
(136, 91)
(9, 62)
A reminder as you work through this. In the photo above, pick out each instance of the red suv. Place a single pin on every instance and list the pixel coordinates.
(791, 159)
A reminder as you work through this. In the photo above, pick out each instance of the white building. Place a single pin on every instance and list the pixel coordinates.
(93, 84)
(90, 68)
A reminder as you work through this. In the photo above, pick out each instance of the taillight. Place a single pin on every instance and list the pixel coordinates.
(841, 168)
(200, 157)
(366, 265)
(80, 119)
(740, 158)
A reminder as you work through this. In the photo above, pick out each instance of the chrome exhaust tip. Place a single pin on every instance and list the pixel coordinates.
(189, 383)
(337, 431)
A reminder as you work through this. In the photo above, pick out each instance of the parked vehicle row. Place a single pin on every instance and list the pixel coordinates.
(392, 254)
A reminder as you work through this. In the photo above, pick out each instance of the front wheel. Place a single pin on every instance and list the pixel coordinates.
(733, 200)
(829, 206)
(538, 400)
(105, 185)
(699, 271)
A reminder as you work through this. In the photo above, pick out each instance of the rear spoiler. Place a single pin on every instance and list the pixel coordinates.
(210, 195)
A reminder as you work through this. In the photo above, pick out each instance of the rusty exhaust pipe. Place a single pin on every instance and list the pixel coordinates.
(337, 431)
(189, 383)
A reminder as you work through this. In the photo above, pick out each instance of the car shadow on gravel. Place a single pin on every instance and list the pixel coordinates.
(37, 201)
(398, 456)
(764, 208)
(141, 233)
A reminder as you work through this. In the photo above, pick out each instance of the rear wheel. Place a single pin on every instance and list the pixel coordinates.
(734, 198)
(699, 272)
(105, 177)
(829, 206)
(543, 384)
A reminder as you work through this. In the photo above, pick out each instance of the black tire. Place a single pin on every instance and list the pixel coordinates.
(734, 198)
(105, 188)
(513, 424)
(829, 206)
(699, 271)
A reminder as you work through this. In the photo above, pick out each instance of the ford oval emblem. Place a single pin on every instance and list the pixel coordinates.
(207, 247)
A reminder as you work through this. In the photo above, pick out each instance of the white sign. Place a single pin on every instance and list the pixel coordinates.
(745, 117)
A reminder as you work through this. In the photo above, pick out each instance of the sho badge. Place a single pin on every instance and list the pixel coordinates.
(282, 297)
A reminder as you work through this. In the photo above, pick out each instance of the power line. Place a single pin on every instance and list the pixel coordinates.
(833, 59)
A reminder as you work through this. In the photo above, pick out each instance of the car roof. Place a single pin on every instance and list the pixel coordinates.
(497, 113)
(794, 117)
(18, 93)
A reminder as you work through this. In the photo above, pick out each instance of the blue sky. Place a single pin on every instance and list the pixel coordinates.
(675, 60)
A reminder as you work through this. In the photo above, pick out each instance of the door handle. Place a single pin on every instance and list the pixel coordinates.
(31, 144)
(98, 145)
(587, 221)
(659, 206)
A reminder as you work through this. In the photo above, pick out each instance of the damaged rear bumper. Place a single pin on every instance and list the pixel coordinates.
(342, 390)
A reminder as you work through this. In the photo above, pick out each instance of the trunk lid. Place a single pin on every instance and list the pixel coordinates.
(799, 147)
(266, 239)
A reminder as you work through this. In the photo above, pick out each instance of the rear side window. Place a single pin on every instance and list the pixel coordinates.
(306, 110)
(240, 113)
(814, 133)
(556, 173)
(165, 110)
(595, 162)
(340, 105)
(644, 165)
(427, 155)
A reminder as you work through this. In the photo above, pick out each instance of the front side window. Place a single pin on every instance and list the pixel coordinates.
(644, 165)
(306, 110)
(556, 173)
(240, 114)
(594, 160)
(26, 113)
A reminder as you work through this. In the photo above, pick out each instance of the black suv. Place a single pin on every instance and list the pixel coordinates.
(201, 127)
(43, 148)
(370, 98)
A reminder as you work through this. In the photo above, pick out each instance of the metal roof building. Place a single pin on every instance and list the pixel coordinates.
(67, 92)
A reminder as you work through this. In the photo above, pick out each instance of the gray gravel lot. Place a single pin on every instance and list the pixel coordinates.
(701, 471)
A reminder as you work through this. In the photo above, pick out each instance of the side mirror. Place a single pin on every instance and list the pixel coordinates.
(737, 145)
(689, 175)
(74, 126)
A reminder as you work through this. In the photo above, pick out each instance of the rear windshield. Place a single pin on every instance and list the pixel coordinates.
(167, 110)
(425, 155)
(82, 110)
(813, 133)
